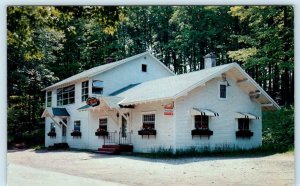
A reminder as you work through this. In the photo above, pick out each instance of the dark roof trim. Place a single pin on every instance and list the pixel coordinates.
(123, 89)
(60, 112)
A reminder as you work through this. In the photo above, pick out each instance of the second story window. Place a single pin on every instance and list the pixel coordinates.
(84, 90)
(49, 99)
(97, 87)
(222, 91)
(66, 95)
(144, 68)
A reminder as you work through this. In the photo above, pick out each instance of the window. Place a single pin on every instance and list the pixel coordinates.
(52, 127)
(84, 90)
(103, 124)
(201, 122)
(243, 123)
(49, 99)
(149, 121)
(144, 68)
(222, 91)
(66, 95)
(77, 126)
(97, 87)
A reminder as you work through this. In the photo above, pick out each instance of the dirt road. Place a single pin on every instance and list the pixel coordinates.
(273, 170)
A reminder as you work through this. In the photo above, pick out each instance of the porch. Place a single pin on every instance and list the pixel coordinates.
(115, 142)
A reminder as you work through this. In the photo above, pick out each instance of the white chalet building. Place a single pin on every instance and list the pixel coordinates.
(144, 106)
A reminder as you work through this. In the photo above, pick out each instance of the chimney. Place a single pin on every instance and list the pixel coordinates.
(210, 60)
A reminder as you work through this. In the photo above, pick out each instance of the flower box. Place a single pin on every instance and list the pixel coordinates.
(243, 134)
(52, 134)
(76, 134)
(203, 132)
(147, 132)
(101, 133)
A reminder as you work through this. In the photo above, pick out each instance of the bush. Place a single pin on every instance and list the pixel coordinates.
(278, 129)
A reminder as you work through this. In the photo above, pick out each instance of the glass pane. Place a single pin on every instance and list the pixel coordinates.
(59, 91)
(97, 90)
(97, 83)
(71, 100)
(103, 121)
(71, 94)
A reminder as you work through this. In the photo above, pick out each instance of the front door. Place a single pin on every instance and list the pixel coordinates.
(124, 127)
(64, 133)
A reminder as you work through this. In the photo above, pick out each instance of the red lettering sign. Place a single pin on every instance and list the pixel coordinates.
(92, 101)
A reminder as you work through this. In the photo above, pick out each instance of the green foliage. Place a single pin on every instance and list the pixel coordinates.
(278, 129)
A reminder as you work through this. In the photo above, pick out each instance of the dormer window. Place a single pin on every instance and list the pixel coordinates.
(144, 68)
(97, 87)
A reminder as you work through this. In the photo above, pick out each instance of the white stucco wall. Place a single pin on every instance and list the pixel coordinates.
(131, 73)
(223, 126)
(163, 125)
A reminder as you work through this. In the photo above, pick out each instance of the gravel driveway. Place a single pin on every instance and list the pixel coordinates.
(89, 168)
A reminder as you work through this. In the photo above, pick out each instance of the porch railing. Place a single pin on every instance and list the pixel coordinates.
(122, 138)
(110, 138)
(125, 137)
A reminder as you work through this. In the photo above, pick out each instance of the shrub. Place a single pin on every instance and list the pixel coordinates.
(278, 129)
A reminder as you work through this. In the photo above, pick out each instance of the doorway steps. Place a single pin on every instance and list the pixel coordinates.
(115, 149)
(58, 146)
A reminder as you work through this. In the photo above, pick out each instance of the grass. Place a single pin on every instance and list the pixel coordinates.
(207, 152)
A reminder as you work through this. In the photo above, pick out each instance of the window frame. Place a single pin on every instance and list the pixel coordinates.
(100, 126)
(84, 90)
(201, 122)
(64, 95)
(94, 87)
(52, 127)
(144, 68)
(49, 101)
(149, 122)
(76, 122)
(226, 92)
(243, 124)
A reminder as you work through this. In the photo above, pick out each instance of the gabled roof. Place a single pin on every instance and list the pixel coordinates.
(175, 86)
(103, 68)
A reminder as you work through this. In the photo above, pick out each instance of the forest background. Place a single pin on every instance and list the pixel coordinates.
(46, 44)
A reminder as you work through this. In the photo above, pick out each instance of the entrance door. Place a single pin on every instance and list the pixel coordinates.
(64, 133)
(124, 127)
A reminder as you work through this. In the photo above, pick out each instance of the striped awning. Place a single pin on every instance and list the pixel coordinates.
(246, 115)
(203, 112)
